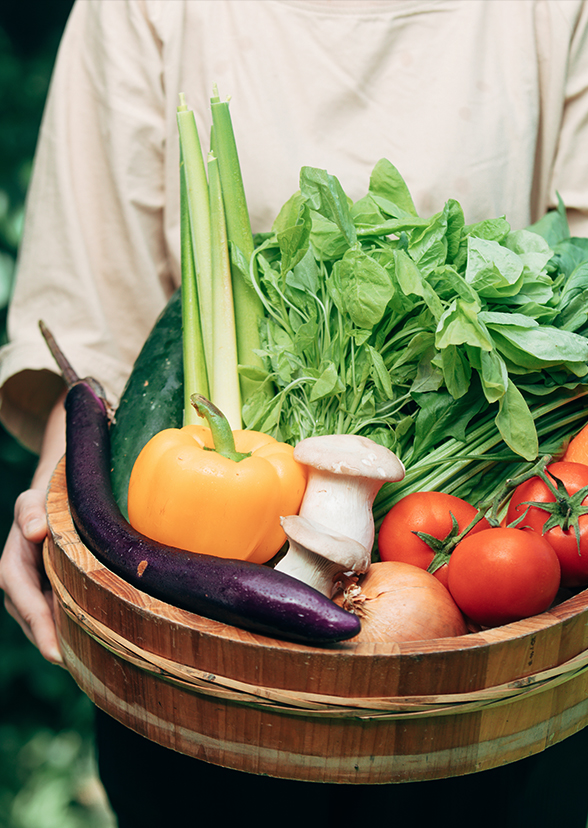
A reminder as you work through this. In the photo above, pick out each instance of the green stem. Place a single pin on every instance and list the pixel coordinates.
(449, 472)
(443, 547)
(199, 217)
(248, 307)
(222, 435)
(445, 467)
(225, 376)
(195, 374)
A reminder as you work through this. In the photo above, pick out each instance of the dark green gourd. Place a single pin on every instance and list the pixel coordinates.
(152, 399)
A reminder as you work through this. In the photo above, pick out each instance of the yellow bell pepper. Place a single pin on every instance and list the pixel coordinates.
(215, 491)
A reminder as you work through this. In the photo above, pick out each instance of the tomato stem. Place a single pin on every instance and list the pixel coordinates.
(565, 511)
(510, 484)
(442, 548)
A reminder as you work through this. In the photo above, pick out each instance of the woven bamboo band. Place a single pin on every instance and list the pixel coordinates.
(312, 704)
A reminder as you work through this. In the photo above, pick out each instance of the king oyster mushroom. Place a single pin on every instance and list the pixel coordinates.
(346, 471)
(318, 555)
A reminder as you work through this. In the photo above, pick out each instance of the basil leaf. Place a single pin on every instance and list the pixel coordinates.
(410, 279)
(516, 425)
(428, 246)
(460, 325)
(576, 284)
(305, 275)
(457, 371)
(380, 374)
(531, 249)
(441, 416)
(389, 190)
(327, 385)
(428, 376)
(494, 271)
(448, 283)
(455, 226)
(292, 228)
(494, 375)
(575, 315)
(539, 345)
(362, 288)
(326, 197)
(328, 242)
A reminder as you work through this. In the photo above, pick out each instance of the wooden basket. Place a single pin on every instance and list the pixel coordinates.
(349, 713)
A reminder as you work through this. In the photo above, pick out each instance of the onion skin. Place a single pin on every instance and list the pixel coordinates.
(399, 602)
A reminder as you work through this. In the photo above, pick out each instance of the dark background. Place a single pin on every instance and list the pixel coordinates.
(47, 771)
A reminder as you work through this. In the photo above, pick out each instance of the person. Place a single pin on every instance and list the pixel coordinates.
(479, 100)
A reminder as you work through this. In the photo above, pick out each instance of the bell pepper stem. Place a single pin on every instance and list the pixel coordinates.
(222, 435)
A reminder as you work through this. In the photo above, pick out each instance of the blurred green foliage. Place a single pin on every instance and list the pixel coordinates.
(47, 769)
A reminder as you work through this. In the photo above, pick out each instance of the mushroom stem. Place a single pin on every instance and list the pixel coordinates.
(318, 556)
(346, 472)
(342, 503)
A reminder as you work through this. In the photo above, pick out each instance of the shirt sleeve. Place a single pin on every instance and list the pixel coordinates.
(570, 170)
(93, 263)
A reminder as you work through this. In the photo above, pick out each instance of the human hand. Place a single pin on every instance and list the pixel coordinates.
(28, 596)
(27, 593)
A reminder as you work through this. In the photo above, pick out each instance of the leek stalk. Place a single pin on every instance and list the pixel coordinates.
(195, 373)
(199, 216)
(225, 378)
(248, 307)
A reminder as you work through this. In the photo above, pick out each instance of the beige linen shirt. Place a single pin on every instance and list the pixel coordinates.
(485, 101)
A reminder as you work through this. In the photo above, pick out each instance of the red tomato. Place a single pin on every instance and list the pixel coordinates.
(428, 512)
(573, 560)
(502, 575)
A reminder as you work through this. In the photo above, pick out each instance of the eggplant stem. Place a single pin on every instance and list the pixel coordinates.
(67, 370)
(70, 377)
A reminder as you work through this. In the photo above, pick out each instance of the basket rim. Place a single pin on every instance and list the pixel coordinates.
(307, 703)
(80, 556)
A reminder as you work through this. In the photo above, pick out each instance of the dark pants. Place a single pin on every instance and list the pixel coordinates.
(151, 786)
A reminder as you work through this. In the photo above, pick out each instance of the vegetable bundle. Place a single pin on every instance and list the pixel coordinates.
(457, 346)
(220, 309)
(463, 348)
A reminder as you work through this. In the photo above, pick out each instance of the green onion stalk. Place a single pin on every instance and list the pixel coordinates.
(248, 307)
(479, 473)
(221, 311)
(225, 389)
(194, 359)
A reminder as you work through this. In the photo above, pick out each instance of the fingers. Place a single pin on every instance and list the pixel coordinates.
(28, 596)
(29, 514)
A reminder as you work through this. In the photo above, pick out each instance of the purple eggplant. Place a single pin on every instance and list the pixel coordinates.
(244, 594)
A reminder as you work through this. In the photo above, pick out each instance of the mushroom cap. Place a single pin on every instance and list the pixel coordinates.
(341, 550)
(349, 454)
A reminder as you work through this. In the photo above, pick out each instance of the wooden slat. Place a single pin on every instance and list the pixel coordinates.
(364, 713)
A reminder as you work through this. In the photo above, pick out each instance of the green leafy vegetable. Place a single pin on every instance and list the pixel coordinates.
(455, 345)
(461, 347)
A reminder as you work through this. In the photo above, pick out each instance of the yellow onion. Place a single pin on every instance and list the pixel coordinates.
(401, 602)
